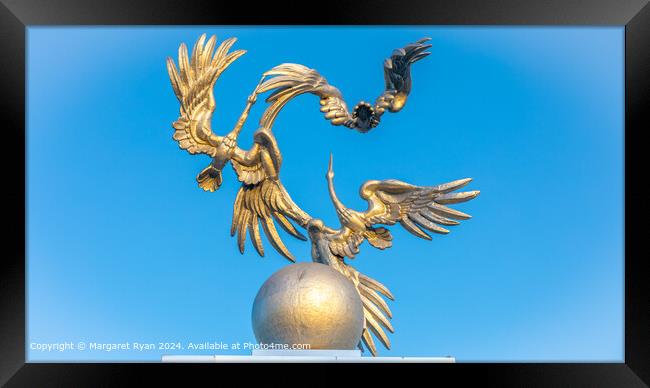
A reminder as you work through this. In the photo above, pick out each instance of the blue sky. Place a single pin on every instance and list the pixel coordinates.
(122, 246)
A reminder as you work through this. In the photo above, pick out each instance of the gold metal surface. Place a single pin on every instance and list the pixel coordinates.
(290, 80)
(416, 208)
(308, 303)
(263, 200)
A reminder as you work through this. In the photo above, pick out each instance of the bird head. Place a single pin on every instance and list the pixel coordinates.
(315, 225)
(315, 228)
(330, 169)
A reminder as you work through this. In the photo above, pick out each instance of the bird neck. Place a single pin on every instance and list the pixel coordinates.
(335, 199)
(242, 119)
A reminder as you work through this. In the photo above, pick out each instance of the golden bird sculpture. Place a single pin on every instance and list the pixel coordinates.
(291, 80)
(263, 201)
(389, 202)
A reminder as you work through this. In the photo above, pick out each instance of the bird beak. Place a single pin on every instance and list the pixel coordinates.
(330, 169)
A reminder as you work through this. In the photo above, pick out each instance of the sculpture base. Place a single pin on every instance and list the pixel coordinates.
(303, 356)
(308, 353)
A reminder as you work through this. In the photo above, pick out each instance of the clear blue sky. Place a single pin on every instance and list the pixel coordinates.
(123, 246)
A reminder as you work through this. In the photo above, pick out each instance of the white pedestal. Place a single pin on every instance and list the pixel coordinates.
(307, 353)
(303, 356)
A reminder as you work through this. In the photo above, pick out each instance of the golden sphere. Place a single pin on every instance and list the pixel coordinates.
(308, 303)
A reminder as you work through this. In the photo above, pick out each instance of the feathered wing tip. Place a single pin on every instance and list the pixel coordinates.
(432, 212)
(265, 204)
(408, 54)
(376, 312)
(416, 51)
(288, 81)
(200, 69)
(397, 75)
(192, 83)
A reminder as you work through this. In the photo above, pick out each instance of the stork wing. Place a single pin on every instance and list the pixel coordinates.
(392, 201)
(416, 207)
(193, 86)
(397, 75)
(291, 80)
(262, 203)
(376, 313)
(262, 199)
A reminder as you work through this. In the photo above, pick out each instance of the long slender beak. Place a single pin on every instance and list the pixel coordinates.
(259, 83)
(330, 185)
(330, 170)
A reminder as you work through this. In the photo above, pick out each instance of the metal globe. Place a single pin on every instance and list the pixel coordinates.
(308, 303)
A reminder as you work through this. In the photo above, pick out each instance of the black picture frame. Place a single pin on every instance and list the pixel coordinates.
(17, 15)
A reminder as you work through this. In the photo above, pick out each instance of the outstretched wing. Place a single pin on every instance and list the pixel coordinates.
(376, 312)
(193, 82)
(390, 201)
(397, 75)
(262, 199)
(290, 80)
(415, 207)
(264, 203)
